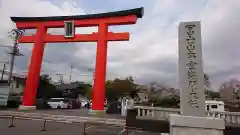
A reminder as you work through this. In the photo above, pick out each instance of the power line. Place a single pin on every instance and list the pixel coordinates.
(6, 46)
(16, 52)
(59, 66)
(62, 67)
(44, 60)
(56, 65)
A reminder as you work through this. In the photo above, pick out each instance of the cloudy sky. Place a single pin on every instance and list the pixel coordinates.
(151, 55)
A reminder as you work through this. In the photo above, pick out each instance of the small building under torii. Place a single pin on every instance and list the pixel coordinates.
(18, 81)
(14, 92)
(73, 90)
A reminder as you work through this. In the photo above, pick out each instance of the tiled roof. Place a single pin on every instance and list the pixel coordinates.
(66, 86)
(17, 75)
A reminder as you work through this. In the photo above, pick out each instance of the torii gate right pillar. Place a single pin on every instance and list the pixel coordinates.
(100, 70)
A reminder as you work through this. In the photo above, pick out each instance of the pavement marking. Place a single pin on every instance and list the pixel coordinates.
(103, 131)
(121, 132)
(146, 132)
(110, 130)
(132, 133)
(88, 127)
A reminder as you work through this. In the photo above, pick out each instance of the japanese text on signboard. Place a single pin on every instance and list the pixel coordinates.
(191, 65)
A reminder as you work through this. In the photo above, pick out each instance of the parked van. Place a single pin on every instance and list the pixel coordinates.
(214, 106)
(59, 103)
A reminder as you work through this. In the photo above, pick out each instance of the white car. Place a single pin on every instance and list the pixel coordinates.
(105, 103)
(84, 103)
(59, 103)
(214, 106)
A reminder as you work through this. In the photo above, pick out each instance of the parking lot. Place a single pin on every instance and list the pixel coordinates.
(34, 127)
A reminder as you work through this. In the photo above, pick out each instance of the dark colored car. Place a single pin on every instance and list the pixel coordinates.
(114, 107)
(74, 104)
(42, 104)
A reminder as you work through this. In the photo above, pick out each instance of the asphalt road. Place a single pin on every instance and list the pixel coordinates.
(72, 112)
(30, 127)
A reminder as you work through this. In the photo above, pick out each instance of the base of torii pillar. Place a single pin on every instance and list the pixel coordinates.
(26, 108)
(97, 112)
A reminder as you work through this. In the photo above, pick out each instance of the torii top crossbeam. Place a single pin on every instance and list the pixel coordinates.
(138, 12)
(111, 18)
(102, 20)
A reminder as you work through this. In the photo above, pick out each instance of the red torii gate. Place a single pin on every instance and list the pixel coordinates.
(102, 20)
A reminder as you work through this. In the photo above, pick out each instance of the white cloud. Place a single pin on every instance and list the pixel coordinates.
(157, 39)
(151, 54)
(10, 8)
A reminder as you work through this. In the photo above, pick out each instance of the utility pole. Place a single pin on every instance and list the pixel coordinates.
(4, 62)
(16, 34)
(13, 53)
(70, 76)
(3, 70)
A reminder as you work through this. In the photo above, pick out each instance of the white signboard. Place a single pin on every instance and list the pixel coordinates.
(191, 77)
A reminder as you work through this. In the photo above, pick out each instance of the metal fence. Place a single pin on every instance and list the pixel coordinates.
(23, 123)
(84, 123)
(146, 112)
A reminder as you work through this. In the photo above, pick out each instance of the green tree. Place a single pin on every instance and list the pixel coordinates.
(45, 88)
(89, 92)
(207, 86)
(120, 87)
(214, 94)
(207, 82)
(236, 91)
(116, 88)
(82, 89)
(165, 102)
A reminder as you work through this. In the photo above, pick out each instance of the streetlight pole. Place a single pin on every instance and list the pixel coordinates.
(70, 77)
(92, 70)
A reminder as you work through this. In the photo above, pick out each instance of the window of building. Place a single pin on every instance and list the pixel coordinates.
(17, 84)
(214, 106)
(207, 107)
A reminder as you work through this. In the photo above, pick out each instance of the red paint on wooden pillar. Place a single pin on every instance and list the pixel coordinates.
(34, 68)
(100, 70)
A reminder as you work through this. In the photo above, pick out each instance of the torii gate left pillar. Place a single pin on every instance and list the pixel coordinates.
(41, 24)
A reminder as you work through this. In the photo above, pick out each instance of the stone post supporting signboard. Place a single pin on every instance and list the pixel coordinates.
(192, 120)
(191, 77)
